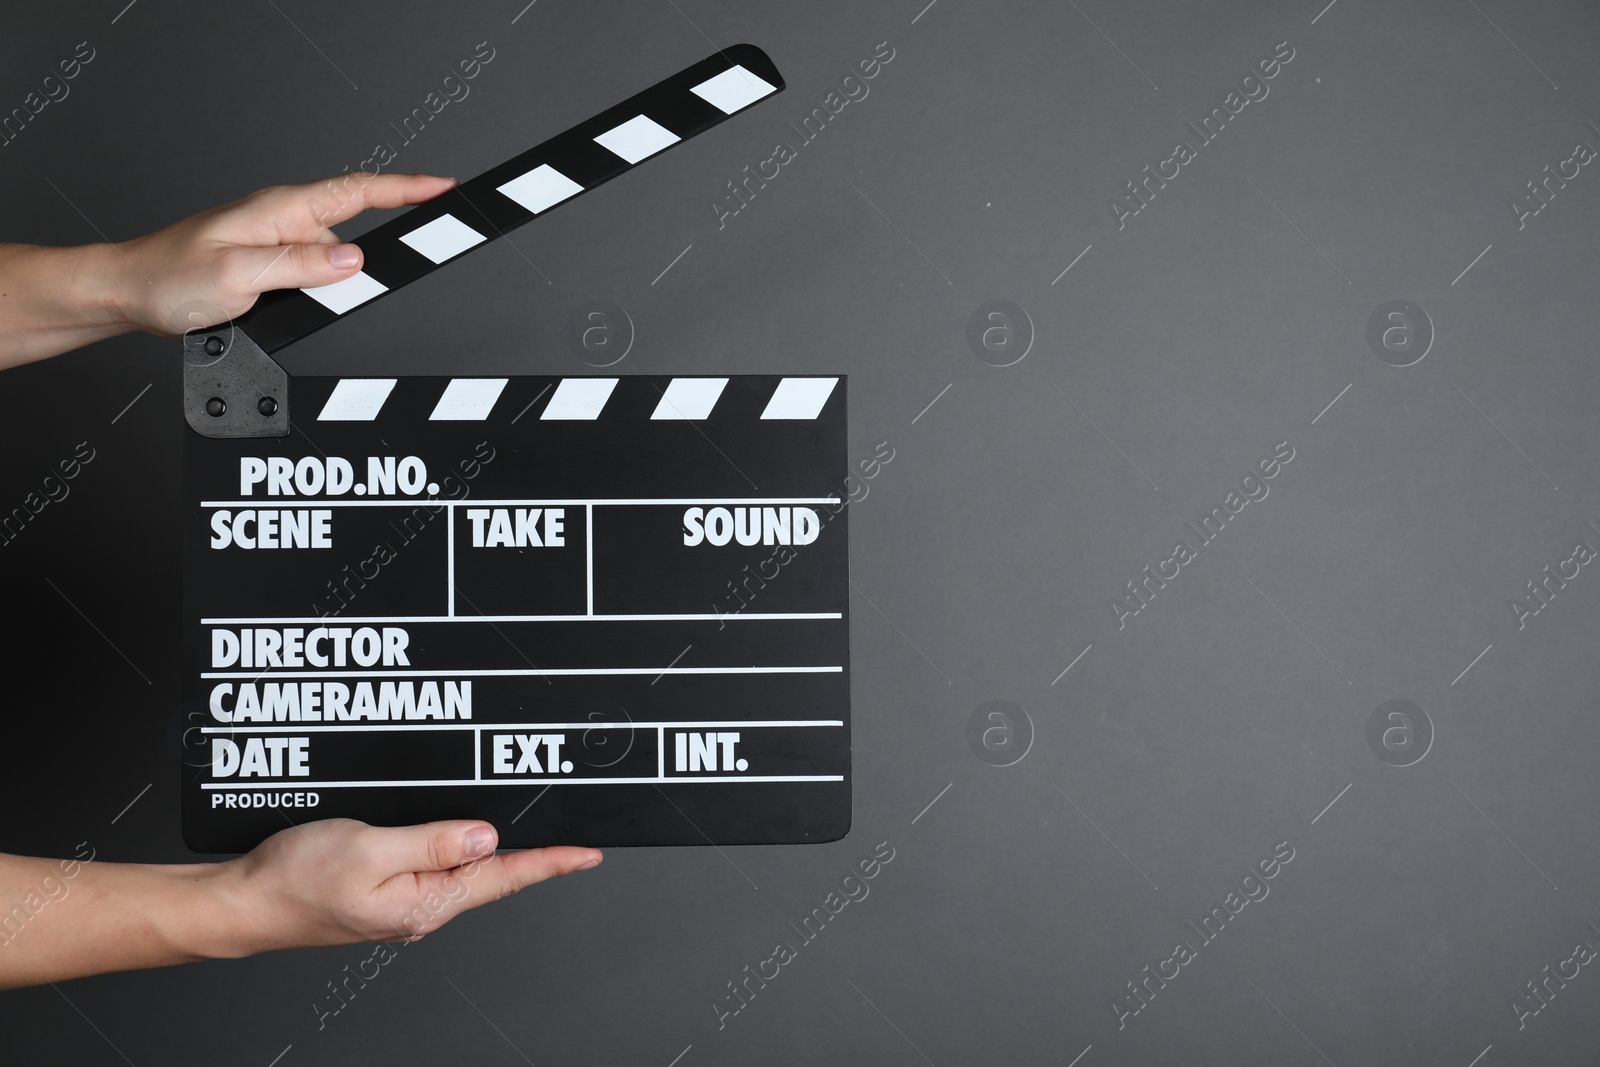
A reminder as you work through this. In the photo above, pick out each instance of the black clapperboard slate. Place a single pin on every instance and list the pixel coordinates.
(555, 603)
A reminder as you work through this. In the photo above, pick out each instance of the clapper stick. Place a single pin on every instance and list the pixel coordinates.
(232, 385)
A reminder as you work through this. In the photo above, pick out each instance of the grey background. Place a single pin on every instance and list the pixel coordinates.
(1213, 326)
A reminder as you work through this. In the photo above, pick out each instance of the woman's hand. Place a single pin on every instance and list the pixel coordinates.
(340, 881)
(211, 267)
(198, 272)
(334, 882)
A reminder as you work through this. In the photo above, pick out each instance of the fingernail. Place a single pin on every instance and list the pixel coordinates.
(344, 256)
(480, 840)
(586, 866)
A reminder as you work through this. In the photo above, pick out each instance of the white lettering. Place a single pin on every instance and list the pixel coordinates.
(272, 529)
(750, 526)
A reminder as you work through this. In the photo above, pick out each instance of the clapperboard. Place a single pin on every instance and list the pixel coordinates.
(592, 610)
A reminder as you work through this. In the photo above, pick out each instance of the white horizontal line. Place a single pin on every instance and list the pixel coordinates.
(704, 617)
(417, 502)
(523, 781)
(685, 724)
(512, 673)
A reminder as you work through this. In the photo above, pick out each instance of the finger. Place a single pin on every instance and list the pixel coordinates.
(335, 200)
(434, 846)
(517, 870)
(492, 878)
(297, 266)
(497, 877)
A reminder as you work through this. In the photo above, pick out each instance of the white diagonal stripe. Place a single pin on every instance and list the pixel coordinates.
(733, 89)
(638, 138)
(579, 398)
(352, 292)
(467, 399)
(689, 398)
(443, 238)
(799, 398)
(356, 400)
(542, 187)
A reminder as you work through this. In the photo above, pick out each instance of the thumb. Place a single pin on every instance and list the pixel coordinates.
(434, 846)
(299, 266)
